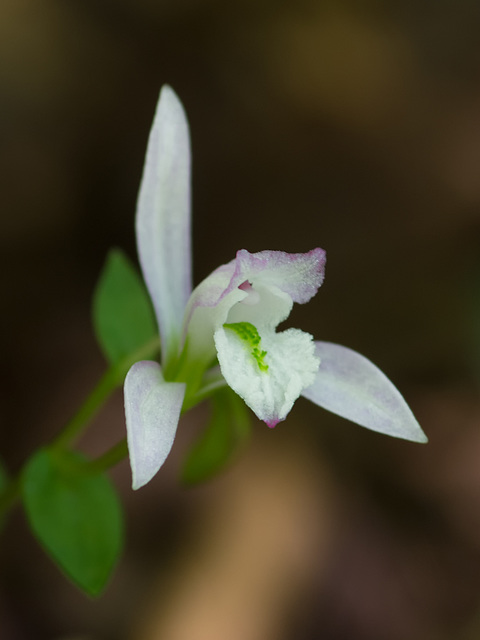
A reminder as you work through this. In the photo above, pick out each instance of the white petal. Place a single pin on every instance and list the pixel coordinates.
(297, 274)
(353, 387)
(163, 219)
(265, 285)
(208, 309)
(269, 392)
(152, 411)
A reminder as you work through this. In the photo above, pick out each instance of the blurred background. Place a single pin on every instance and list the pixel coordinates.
(350, 126)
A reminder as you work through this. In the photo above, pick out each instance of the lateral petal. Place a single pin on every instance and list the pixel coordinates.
(152, 411)
(297, 274)
(351, 386)
(163, 219)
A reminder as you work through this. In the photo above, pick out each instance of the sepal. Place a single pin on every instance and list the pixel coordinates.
(351, 386)
(152, 411)
(163, 219)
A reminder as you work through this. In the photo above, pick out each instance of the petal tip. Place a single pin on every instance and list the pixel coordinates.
(271, 424)
(169, 98)
(136, 484)
(152, 411)
(420, 437)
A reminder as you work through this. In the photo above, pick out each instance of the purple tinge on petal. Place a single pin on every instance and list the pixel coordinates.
(268, 283)
(213, 288)
(163, 219)
(351, 386)
(298, 274)
(152, 411)
(271, 424)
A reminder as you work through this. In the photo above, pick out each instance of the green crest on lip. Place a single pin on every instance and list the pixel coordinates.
(249, 334)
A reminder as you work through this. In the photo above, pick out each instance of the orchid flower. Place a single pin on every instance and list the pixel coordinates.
(224, 331)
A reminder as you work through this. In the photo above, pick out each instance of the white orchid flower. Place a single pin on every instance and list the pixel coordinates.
(224, 332)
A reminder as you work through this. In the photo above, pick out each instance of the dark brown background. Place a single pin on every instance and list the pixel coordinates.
(350, 126)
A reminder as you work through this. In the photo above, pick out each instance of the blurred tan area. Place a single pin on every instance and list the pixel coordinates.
(350, 126)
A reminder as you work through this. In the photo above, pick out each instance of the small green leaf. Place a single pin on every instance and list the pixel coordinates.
(228, 429)
(75, 515)
(123, 316)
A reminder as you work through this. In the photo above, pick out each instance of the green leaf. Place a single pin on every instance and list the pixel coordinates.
(227, 431)
(123, 316)
(75, 515)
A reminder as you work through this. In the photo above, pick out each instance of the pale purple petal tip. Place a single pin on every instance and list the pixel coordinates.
(298, 274)
(271, 424)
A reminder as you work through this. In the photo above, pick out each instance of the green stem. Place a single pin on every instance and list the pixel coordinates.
(108, 383)
(110, 458)
(112, 379)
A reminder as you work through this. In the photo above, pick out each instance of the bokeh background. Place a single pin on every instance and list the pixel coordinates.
(350, 126)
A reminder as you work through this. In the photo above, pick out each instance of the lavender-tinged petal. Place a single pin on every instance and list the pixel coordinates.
(297, 274)
(152, 411)
(207, 310)
(163, 219)
(267, 282)
(351, 386)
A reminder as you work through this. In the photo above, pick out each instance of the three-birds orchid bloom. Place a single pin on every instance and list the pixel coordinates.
(224, 331)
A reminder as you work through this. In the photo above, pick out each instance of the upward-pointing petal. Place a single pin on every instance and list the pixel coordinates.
(163, 219)
(350, 385)
(152, 410)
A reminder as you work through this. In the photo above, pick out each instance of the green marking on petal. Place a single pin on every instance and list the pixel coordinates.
(247, 332)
